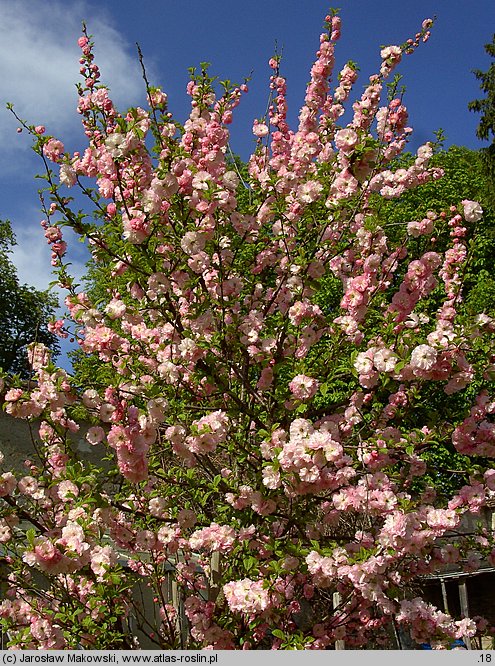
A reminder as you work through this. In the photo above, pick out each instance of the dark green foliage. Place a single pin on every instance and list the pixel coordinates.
(24, 312)
(465, 177)
(486, 106)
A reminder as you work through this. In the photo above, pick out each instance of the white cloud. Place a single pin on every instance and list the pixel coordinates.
(31, 257)
(39, 62)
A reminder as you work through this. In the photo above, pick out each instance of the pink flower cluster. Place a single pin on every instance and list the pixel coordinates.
(208, 432)
(476, 434)
(213, 538)
(247, 596)
(131, 444)
(303, 388)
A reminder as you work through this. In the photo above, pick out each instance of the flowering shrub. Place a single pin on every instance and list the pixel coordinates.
(263, 351)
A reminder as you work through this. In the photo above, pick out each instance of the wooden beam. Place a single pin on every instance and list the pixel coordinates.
(464, 601)
(339, 644)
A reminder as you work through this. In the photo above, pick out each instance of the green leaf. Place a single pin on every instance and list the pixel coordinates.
(278, 634)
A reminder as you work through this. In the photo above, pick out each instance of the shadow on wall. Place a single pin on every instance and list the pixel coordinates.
(19, 441)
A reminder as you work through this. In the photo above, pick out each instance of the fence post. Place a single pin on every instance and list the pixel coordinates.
(339, 644)
(214, 582)
(463, 598)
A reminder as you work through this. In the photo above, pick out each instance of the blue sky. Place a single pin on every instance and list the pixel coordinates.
(39, 54)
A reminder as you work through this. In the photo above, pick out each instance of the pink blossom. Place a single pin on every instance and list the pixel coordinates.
(53, 149)
(186, 518)
(423, 227)
(385, 360)
(168, 536)
(5, 531)
(442, 519)
(247, 596)
(68, 175)
(212, 538)
(103, 559)
(38, 355)
(271, 478)
(158, 506)
(265, 379)
(67, 490)
(260, 129)
(47, 557)
(303, 387)
(29, 486)
(7, 483)
(346, 140)
(472, 210)
(49, 635)
(73, 538)
(158, 98)
(423, 357)
(208, 432)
